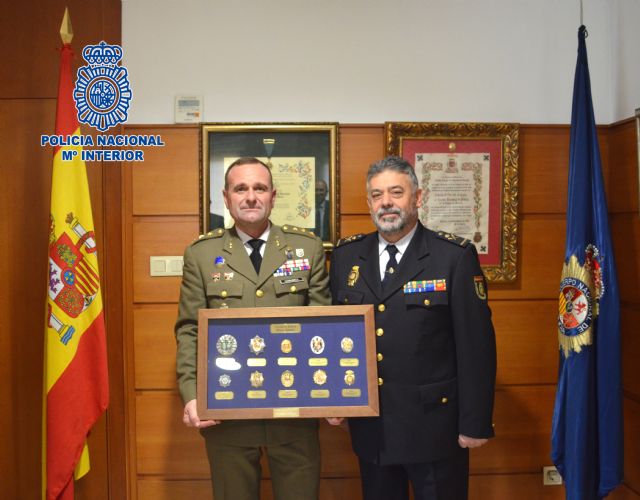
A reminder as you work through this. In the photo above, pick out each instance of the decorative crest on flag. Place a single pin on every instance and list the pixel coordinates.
(102, 91)
(73, 277)
(580, 291)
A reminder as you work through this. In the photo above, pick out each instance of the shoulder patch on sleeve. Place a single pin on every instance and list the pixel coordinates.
(216, 233)
(458, 240)
(350, 239)
(298, 230)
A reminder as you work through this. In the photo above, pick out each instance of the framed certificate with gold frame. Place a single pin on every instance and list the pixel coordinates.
(287, 362)
(468, 173)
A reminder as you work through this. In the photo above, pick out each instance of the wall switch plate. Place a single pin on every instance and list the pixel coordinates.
(551, 476)
(165, 265)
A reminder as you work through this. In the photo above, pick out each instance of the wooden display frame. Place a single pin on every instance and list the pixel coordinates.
(357, 393)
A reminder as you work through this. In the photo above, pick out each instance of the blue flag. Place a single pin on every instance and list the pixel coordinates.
(586, 434)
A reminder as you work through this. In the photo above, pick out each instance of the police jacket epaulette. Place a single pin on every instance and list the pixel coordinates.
(452, 238)
(350, 239)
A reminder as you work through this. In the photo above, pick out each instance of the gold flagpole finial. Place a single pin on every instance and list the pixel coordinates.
(66, 31)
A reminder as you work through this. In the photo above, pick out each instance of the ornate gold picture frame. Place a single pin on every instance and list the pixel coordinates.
(303, 160)
(468, 173)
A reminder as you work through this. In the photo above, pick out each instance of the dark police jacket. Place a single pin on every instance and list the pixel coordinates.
(435, 345)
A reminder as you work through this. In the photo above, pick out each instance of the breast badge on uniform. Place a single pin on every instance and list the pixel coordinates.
(481, 289)
(215, 276)
(354, 274)
(299, 252)
(219, 261)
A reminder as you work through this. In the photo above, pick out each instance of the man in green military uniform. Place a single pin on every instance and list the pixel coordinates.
(235, 268)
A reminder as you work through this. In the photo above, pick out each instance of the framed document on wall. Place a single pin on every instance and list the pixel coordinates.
(287, 362)
(468, 173)
(303, 162)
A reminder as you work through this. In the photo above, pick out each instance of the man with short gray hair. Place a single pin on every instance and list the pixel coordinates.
(434, 339)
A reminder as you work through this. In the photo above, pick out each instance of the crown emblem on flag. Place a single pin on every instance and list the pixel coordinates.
(102, 91)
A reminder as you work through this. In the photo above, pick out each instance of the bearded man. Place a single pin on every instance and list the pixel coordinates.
(435, 344)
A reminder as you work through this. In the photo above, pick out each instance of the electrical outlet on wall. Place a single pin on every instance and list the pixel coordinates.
(551, 476)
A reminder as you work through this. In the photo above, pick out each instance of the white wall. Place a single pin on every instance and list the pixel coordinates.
(370, 61)
(625, 57)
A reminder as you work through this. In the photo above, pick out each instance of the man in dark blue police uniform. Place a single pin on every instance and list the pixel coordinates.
(435, 344)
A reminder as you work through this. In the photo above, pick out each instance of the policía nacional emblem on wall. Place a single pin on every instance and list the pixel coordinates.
(580, 291)
(102, 91)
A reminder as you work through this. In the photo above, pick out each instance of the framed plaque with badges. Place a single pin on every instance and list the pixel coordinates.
(287, 362)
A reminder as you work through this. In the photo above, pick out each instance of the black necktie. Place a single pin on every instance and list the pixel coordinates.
(392, 265)
(256, 258)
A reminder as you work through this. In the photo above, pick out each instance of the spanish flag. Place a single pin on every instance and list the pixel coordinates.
(76, 390)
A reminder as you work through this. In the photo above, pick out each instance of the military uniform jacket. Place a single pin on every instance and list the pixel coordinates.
(232, 282)
(436, 347)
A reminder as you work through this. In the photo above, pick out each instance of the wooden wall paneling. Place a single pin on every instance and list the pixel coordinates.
(624, 492)
(354, 224)
(625, 233)
(623, 171)
(509, 486)
(155, 346)
(540, 258)
(526, 339)
(522, 417)
(167, 182)
(360, 146)
(165, 446)
(631, 440)
(338, 459)
(162, 489)
(129, 350)
(527, 487)
(34, 44)
(158, 489)
(544, 168)
(114, 317)
(629, 321)
(159, 236)
(25, 194)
